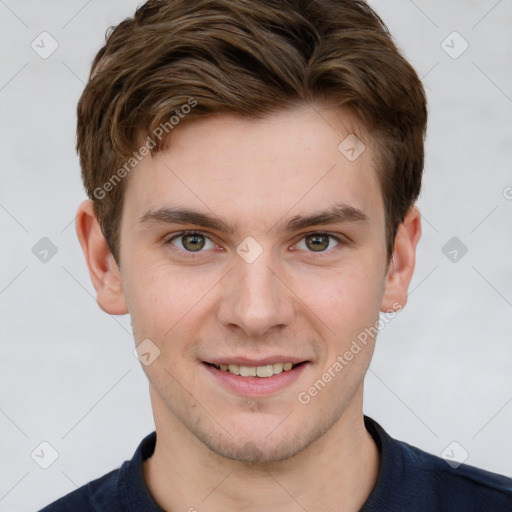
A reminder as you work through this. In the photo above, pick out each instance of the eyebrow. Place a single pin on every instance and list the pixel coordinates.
(186, 216)
(337, 214)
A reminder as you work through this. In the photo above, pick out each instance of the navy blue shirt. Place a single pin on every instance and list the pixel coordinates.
(409, 480)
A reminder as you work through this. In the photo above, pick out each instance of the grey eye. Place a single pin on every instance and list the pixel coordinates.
(192, 242)
(317, 242)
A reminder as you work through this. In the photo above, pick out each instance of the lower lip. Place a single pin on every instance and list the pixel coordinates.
(256, 386)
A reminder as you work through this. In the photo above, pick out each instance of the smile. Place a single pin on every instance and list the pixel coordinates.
(264, 371)
(262, 378)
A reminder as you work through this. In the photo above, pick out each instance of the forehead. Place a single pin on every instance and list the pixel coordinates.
(258, 171)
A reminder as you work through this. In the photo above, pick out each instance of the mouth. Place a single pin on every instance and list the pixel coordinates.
(256, 378)
(263, 371)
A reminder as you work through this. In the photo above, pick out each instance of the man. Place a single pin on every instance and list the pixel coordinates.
(252, 168)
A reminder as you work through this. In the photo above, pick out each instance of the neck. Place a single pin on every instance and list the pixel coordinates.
(336, 472)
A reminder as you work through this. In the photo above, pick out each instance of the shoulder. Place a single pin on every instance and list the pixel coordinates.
(412, 479)
(118, 491)
(96, 496)
(457, 487)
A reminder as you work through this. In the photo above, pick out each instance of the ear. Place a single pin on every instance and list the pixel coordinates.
(401, 266)
(104, 272)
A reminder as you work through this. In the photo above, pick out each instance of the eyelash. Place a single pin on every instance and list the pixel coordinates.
(194, 254)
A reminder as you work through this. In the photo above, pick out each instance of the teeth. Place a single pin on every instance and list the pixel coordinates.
(255, 371)
(248, 371)
(265, 371)
(277, 367)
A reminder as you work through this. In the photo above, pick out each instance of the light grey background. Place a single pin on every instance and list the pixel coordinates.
(441, 371)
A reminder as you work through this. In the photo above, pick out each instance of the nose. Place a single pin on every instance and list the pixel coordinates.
(256, 299)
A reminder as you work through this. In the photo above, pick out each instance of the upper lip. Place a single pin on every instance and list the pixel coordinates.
(247, 361)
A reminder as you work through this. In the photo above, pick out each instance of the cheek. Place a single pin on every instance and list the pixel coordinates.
(345, 299)
(348, 306)
(160, 298)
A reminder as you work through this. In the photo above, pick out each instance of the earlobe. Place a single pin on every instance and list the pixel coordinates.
(401, 267)
(104, 272)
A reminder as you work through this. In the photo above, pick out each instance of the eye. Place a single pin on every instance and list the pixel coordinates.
(318, 242)
(192, 241)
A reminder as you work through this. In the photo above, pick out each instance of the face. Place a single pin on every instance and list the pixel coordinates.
(248, 247)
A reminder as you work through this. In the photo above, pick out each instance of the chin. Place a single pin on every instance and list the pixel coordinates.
(266, 445)
(252, 452)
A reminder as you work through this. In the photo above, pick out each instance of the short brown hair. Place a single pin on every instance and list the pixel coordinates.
(251, 58)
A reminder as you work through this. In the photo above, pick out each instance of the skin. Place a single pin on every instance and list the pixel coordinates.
(217, 450)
